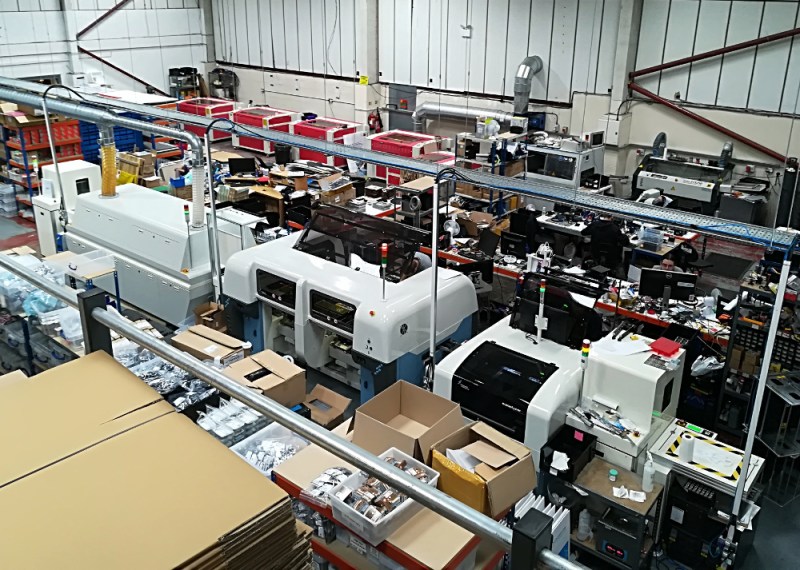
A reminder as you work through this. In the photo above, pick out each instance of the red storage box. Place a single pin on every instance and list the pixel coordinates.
(210, 108)
(265, 118)
(331, 130)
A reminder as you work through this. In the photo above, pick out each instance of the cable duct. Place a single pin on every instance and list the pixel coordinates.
(529, 67)
(20, 92)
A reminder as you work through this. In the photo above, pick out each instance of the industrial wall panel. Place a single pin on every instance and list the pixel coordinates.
(347, 37)
(562, 50)
(519, 17)
(319, 39)
(456, 56)
(253, 26)
(608, 47)
(216, 19)
(737, 68)
(539, 42)
(305, 48)
(476, 56)
(587, 41)
(265, 40)
(438, 43)
(769, 71)
(273, 19)
(652, 35)
(679, 42)
(495, 54)
(712, 26)
(402, 42)
(290, 31)
(240, 32)
(420, 37)
(332, 39)
(386, 29)
(791, 87)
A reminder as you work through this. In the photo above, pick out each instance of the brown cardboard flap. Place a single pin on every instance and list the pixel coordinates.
(489, 454)
(275, 363)
(217, 337)
(502, 441)
(331, 398)
(420, 184)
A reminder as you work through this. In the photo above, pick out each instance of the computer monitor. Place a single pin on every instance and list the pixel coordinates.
(487, 242)
(668, 285)
(242, 165)
(568, 321)
(513, 244)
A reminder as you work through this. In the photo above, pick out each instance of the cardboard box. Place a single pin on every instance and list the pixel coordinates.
(211, 315)
(205, 343)
(333, 192)
(514, 167)
(327, 407)
(473, 222)
(152, 182)
(736, 357)
(506, 472)
(91, 421)
(273, 375)
(406, 417)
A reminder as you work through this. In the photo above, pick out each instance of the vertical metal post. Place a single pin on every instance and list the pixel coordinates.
(216, 262)
(96, 336)
(55, 158)
(759, 396)
(434, 276)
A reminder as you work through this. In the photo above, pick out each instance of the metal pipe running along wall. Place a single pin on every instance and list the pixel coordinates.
(87, 111)
(432, 498)
(619, 207)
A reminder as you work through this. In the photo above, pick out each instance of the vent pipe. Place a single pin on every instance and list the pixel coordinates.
(458, 111)
(529, 67)
(108, 159)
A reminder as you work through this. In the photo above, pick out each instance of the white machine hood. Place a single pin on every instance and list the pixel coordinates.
(383, 329)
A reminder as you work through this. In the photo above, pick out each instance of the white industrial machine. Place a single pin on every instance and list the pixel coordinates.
(520, 388)
(690, 184)
(162, 262)
(564, 162)
(79, 177)
(317, 300)
(527, 382)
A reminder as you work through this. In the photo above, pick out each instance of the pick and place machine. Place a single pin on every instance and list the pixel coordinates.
(319, 295)
(527, 382)
(162, 263)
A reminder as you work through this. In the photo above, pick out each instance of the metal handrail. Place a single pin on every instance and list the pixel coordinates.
(430, 497)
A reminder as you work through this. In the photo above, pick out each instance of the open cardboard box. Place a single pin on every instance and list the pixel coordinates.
(472, 222)
(338, 196)
(327, 407)
(271, 374)
(211, 315)
(504, 475)
(205, 343)
(406, 417)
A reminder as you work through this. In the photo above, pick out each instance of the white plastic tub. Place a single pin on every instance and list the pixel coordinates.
(377, 532)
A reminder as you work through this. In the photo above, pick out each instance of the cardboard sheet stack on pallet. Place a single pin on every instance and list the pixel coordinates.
(103, 473)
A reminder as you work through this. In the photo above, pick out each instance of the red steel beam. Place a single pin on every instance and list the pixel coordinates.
(715, 52)
(707, 122)
(105, 15)
(122, 71)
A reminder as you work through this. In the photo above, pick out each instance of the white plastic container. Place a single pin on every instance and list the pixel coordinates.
(86, 264)
(377, 532)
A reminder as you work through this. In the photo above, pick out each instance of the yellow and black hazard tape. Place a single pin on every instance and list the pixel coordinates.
(673, 451)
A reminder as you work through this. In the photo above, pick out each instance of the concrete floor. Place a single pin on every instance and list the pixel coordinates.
(776, 538)
(16, 232)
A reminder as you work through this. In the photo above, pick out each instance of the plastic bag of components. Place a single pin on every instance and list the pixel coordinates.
(705, 365)
(317, 491)
(269, 447)
(155, 375)
(38, 302)
(195, 391)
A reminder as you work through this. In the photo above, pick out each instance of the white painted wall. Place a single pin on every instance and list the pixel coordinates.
(146, 37)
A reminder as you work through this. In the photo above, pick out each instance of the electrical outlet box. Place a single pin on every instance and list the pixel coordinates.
(617, 129)
(466, 31)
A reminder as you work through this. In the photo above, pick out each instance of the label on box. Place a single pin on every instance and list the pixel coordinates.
(358, 545)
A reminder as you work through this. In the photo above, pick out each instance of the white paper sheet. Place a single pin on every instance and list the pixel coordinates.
(463, 459)
(560, 461)
(715, 457)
